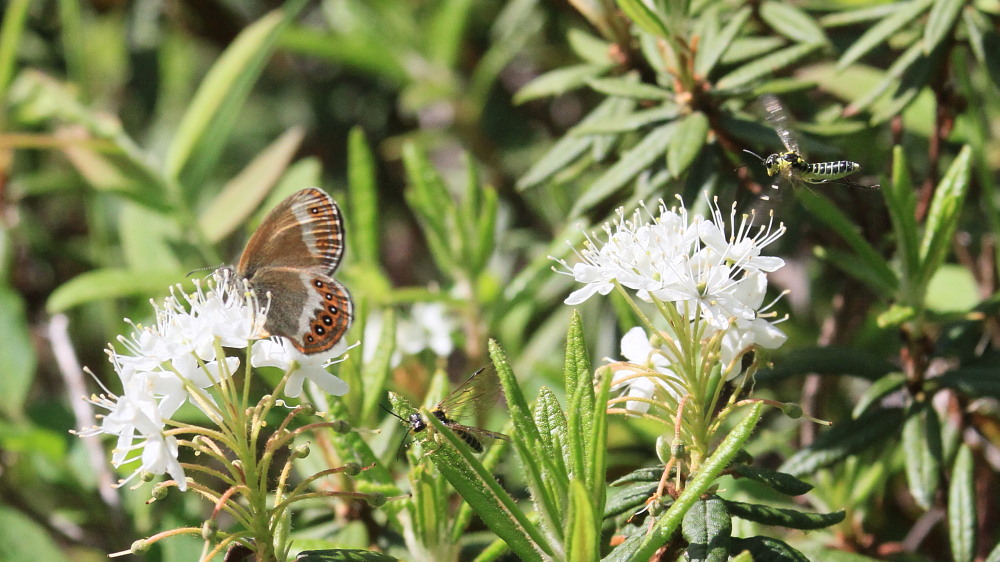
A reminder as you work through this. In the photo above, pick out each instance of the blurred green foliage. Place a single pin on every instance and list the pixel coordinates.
(468, 141)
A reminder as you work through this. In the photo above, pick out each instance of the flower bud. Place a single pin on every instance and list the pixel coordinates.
(301, 452)
(352, 469)
(340, 426)
(376, 499)
(209, 529)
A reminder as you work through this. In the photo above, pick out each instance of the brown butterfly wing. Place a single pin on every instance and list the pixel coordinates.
(305, 231)
(311, 309)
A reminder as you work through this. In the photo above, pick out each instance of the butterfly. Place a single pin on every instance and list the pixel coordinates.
(291, 259)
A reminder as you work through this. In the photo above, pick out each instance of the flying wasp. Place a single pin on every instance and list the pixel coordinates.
(790, 166)
(480, 389)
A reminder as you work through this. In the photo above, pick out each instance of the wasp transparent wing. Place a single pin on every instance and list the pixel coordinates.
(778, 119)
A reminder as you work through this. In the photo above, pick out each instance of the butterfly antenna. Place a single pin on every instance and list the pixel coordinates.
(193, 271)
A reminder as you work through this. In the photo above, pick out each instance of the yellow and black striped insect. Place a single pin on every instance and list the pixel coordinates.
(480, 389)
(790, 166)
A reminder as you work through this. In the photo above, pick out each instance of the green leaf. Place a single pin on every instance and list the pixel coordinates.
(343, 555)
(578, 382)
(446, 30)
(363, 190)
(687, 142)
(831, 360)
(571, 147)
(922, 443)
(903, 13)
(901, 201)
(629, 87)
(102, 284)
(845, 439)
(21, 538)
(792, 22)
(375, 373)
(877, 270)
(10, 40)
(940, 22)
(975, 382)
(667, 523)
(767, 65)
(777, 481)
(776, 516)
(242, 195)
(19, 359)
(767, 548)
(879, 389)
(588, 47)
(218, 103)
(582, 532)
(551, 422)
(598, 456)
(712, 47)
(644, 16)
(634, 160)
(962, 506)
(559, 81)
(943, 215)
(548, 493)
(479, 487)
(994, 555)
(707, 529)
(890, 78)
(630, 498)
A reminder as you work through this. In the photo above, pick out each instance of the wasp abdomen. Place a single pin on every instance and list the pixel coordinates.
(829, 170)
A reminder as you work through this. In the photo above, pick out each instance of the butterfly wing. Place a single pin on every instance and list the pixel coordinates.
(325, 305)
(305, 231)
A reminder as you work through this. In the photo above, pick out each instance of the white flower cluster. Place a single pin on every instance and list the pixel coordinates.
(176, 360)
(429, 326)
(710, 277)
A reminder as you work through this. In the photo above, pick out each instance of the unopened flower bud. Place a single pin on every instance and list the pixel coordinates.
(209, 529)
(301, 452)
(140, 546)
(352, 469)
(340, 426)
(791, 410)
(376, 499)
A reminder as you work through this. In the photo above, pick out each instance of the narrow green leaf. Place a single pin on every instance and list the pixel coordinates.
(25, 539)
(916, 77)
(633, 161)
(552, 425)
(792, 22)
(901, 201)
(630, 498)
(922, 443)
(708, 530)
(848, 263)
(571, 147)
(10, 39)
(940, 22)
(363, 189)
(102, 284)
(218, 103)
(860, 15)
(623, 123)
(777, 481)
(458, 464)
(767, 65)
(588, 47)
(548, 493)
(343, 555)
(962, 506)
(598, 456)
(776, 516)
(579, 387)
(994, 555)
(845, 439)
(943, 215)
(831, 360)
(667, 523)
(629, 87)
(582, 532)
(559, 81)
(242, 195)
(646, 475)
(976, 382)
(148, 238)
(890, 79)
(711, 48)
(446, 30)
(19, 358)
(867, 256)
(484, 235)
(903, 13)
(878, 390)
(361, 50)
(644, 16)
(767, 548)
(375, 374)
(687, 142)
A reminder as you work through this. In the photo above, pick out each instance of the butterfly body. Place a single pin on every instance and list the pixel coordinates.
(290, 260)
